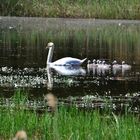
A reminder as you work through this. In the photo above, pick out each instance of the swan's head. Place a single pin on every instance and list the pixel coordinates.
(94, 60)
(50, 44)
(114, 62)
(98, 61)
(103, 62)
(89, 61)
(123, 62)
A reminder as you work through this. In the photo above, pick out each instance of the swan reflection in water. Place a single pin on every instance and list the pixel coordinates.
(65, 71)
(50, 79)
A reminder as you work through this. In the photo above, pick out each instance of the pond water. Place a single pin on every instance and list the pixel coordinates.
(23, 57)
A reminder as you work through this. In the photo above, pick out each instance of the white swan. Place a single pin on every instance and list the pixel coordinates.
(105, 65)
(91, 65)
(116, 66)
(125, 66)
(66, 61)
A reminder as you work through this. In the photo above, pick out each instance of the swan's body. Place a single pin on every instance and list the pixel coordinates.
(116, 66)
(105, 66)
(69, 70)
(66, 61)
(91, 65)
(125, 66)
(102, 68)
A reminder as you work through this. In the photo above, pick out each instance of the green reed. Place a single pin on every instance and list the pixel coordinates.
(67, 123)
(71, 124)
(120, 9)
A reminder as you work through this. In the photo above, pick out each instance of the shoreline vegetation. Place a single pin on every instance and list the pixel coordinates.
(66, 123)
(71, 124)
(98, 9)
(110, 40)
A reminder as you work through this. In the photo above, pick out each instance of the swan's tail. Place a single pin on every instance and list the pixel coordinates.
(82, 61)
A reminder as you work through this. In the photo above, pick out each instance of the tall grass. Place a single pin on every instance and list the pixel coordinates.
(68, 124)
(120, 9)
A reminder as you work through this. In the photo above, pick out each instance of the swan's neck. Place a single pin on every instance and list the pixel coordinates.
(50, 55)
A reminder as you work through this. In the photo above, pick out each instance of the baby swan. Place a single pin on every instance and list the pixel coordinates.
(105, 65)
(99, 63)
(125, 66)
(91, 65)
(115, 65)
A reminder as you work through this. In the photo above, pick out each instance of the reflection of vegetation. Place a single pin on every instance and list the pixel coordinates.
(127, 9)
(119, 42)
(67, 124)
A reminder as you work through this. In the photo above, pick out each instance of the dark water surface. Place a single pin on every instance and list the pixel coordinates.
(23, 57)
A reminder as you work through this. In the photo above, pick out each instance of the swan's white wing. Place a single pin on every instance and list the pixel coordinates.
(67, 61)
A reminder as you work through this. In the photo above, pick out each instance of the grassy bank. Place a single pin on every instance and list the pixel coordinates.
(110, 9)
(67, 124)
